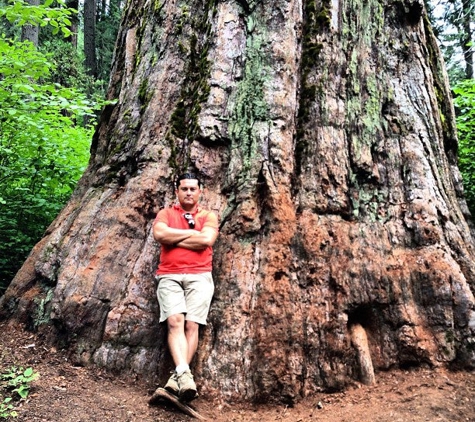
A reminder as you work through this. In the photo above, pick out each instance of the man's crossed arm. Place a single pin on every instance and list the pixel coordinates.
(185, 238)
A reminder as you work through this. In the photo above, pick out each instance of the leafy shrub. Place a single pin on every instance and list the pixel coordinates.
(44, 146)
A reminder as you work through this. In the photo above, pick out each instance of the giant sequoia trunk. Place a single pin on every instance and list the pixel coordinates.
(325, 135)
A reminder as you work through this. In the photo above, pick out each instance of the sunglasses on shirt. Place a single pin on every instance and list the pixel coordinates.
(189, 218)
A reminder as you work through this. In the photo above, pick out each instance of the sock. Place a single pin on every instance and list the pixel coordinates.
(182, 368)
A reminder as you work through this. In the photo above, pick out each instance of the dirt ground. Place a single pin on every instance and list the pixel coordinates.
(67, 393)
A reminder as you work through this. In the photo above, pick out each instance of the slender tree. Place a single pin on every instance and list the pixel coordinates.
(324, 132)
(90, 36)
(467, 40)
(31, 32)
(74, 4)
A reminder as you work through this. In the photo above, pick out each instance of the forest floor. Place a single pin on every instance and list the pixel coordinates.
(67, 393)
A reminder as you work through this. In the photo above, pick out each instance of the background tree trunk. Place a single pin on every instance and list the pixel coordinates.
(90, 36)
(74, 4)
(325, 135)
(31, 32)
(466, 34)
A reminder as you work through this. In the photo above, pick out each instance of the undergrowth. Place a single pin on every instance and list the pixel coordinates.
(15, 383)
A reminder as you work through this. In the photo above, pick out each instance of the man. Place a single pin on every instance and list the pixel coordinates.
(186, 233)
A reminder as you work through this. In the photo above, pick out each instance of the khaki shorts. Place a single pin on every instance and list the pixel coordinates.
(188, 294)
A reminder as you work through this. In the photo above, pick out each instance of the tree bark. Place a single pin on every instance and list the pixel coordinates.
(73, 38)
(90, 36)
(31, 32)
(325, 134)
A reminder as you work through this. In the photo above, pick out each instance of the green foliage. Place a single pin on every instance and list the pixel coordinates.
(68, 68)
(44, 147)
(18, 380)
(43, 152)
(465, 106)
(6, 409)
(14, 381)
(51, 12)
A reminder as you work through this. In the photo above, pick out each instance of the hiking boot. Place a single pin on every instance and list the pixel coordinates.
(187, 386)
(172, 384)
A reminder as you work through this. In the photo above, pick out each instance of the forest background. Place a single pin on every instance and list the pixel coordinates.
(55, 61)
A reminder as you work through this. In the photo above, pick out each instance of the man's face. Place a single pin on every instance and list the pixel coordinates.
(188, 193)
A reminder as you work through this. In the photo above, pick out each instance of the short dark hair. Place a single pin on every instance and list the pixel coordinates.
(187, 176)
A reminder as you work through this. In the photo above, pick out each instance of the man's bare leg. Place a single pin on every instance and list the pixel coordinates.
(191, 333)
(177, 341)
(178, 334)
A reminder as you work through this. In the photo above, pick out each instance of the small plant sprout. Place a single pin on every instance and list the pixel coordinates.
(14, 381)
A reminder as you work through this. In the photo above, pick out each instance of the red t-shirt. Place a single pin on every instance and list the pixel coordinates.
(176, 260)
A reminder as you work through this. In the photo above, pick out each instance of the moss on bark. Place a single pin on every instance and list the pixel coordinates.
(194, 30)
(249, 104)
(316, 21)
